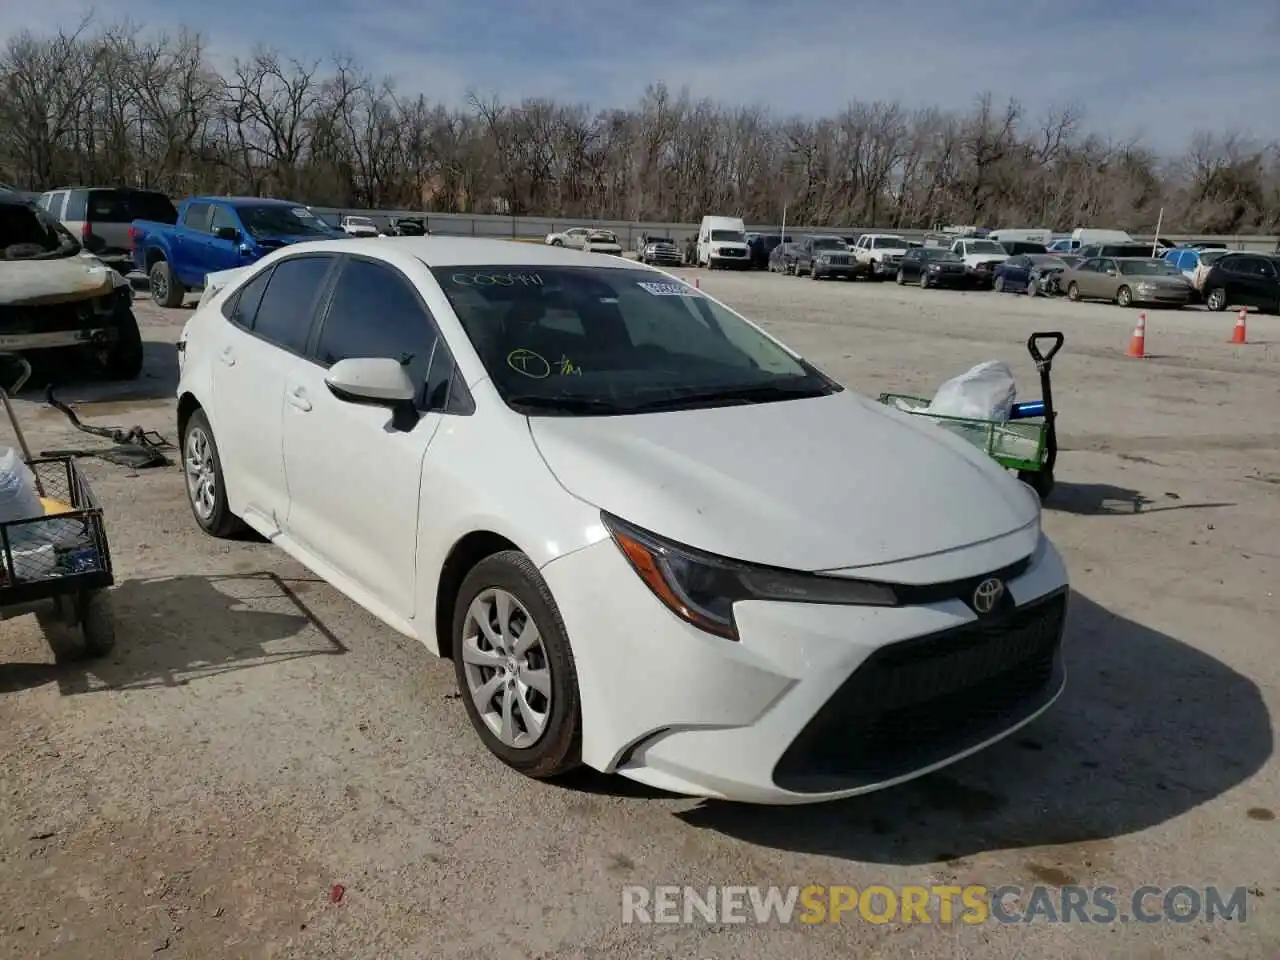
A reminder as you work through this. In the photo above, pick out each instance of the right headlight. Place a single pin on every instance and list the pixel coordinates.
(702, 588)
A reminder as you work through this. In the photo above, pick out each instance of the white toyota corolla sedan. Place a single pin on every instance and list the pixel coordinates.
(651, 538)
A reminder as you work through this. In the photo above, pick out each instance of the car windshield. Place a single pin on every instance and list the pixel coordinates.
(661, 240)
(278, 220)
(983, 246)
(881, 243)
(946, 256)
(1045, 260)
(1212, 256)
(601, 341)
(1148, 268)
(727, 236)
(829, 243)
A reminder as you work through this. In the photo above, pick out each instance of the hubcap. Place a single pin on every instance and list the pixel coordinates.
(202, 481)
(506, 668)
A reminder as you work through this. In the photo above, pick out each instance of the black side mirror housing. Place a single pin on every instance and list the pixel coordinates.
(230, 234)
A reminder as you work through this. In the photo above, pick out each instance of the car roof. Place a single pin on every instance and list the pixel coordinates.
(448, 251)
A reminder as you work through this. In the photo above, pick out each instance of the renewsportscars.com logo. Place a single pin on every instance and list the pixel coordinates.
(973, 904)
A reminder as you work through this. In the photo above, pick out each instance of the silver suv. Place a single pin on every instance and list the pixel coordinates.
(99, 218)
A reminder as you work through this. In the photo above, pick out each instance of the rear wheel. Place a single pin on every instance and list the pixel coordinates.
(514, 667)
(206, 488)
(166, 289)
(1217, 299)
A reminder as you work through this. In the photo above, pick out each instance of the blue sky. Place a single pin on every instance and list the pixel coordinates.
(1156, 69)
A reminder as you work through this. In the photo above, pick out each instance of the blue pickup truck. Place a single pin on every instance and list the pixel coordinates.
(217, 233)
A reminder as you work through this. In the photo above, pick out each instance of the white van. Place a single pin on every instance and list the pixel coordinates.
(1036, 235)
(722, 243)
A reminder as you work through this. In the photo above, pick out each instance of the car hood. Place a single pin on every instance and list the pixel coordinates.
(62, 280)
(814, 484)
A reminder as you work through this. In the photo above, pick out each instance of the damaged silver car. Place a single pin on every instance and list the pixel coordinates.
(56, 299)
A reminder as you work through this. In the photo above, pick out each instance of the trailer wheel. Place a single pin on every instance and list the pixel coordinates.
(96, 615)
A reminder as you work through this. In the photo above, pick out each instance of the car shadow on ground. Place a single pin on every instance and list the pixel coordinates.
(1102, 499)
(158, 381)
(171, 631)
(1148, 729)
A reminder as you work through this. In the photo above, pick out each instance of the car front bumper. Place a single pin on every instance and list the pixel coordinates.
(814, 702)
(1176, 298)
(845, 270)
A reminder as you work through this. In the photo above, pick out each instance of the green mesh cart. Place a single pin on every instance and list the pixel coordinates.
(1027, 442)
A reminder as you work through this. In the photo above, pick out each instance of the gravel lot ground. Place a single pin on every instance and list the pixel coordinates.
(257, 739)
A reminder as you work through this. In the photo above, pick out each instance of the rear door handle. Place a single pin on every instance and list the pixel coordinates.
(227, 357)
(297, 397)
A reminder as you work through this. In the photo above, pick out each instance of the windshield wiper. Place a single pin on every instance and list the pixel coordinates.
(760, 393)
(569, 403)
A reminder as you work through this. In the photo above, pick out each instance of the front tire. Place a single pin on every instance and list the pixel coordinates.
(206, 489)
(515, 669)
(998, 285)
(1124, 297)
(121, 359)
(1073, 292)
(901, 278)
(924, 279)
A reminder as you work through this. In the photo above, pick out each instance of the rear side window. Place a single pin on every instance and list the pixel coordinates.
(125, 206)
(196, 216)
(375, 312)
(243, 307)
(288, 306)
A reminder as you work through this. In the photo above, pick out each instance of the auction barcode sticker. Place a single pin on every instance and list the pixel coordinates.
(669, 289)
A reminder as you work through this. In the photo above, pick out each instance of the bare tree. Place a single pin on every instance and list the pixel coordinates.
(113, 105)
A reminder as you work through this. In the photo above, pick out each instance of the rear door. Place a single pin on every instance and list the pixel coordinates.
(260, 350)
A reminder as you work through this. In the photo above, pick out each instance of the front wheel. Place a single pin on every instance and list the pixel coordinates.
(924, 279)
(1217, 299)
(1124, 297)
(1073, 292)
(206, 488)
(1033, 287)
(514, 667)
(901, 278)
(121, 358)
(998, 285)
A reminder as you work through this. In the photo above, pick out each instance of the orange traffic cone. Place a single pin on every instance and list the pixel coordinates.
(1238, 335)
(1138, 342)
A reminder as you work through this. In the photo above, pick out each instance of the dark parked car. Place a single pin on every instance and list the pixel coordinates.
(408, 227)
(761, 246)
(932, 267)
(99, 217)
(783, 258)
(822, 257)
(1244, 280)
(660, 251)
(1032, 273)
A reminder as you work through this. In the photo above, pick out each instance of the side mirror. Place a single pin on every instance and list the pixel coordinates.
(230, 234)
(375, 381)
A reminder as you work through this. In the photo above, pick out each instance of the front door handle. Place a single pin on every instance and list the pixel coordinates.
(298, 398)
(227, 357)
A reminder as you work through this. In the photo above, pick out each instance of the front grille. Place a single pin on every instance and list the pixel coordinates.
(919, 701)
(732, 253)
(839, 259)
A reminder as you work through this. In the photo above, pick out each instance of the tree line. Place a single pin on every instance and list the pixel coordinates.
(111, 105)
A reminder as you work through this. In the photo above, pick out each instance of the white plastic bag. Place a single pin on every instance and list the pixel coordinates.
(18, 497)
(986, 392)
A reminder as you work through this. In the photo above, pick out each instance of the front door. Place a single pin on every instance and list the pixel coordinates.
(354, 479)
(254, 354)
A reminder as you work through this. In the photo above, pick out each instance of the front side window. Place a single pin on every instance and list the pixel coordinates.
(376, 313)
(196, 217)
(288, 306)
(592, 340)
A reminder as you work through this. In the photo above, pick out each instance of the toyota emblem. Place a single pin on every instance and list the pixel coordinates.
(987, 595)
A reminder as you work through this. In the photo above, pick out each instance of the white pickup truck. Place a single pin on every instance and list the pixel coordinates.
(876, 255)
(980, 259)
